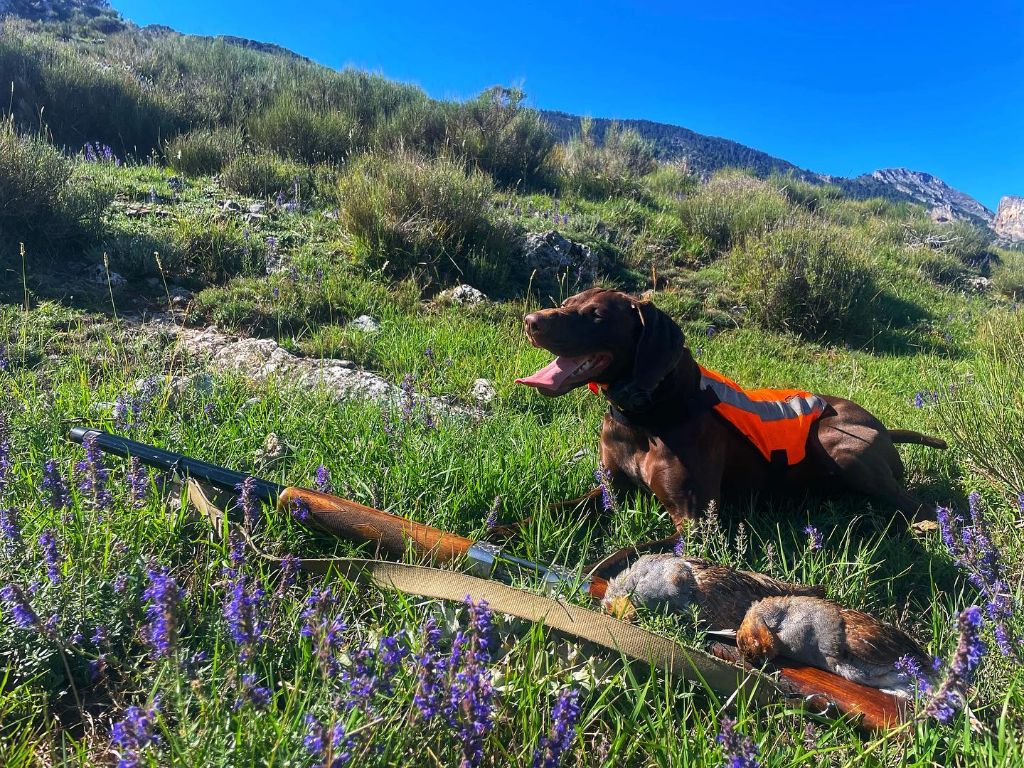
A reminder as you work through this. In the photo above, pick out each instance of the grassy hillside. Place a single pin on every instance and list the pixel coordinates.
(280, 200)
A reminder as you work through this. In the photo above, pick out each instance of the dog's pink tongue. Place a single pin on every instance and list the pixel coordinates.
(554, 373)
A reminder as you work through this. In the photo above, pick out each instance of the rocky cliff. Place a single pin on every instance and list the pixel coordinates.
(1009, 220)
(933, 193)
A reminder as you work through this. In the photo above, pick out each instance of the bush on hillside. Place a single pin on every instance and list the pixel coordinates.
(203, 151)
(1008, 274)
(810, 278)
(42, 199)
(732, 207)
(497, 133)
(214, 249)
(262, 174)
(812, 197)
(294, 130)
(417, 213)
(672, 180)
(612, 167)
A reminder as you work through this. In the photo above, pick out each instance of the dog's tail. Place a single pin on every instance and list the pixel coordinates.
(910, 436)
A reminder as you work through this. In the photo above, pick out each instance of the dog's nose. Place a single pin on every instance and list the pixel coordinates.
(532, 322)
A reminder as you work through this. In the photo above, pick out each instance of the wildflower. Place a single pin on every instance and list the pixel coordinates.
(429, 354)
(5, 363)
(54, 486)
(127, 412)
(950, 695)
(5, 451)
(152, 195)
(138, 483)
(92, 475)
(909, 668)
(249, 692)
(373, 671)
(10, 529)
(323, 480)
(133, 735)
(408, 387)
(244, 608)
(300, 510)
(563, 730)
(98, 666)
(740, 751)
(711, 332)
(815, 540)
(289, 568)
(972, 550)
(470, 706)
(247, 500)
(51, 555)
(163, 595)
(120, 583)
(603, 477)
(494, 513)
(332, 752)
(431, 668)
(324, 628)
(919, 400)
(20, 608)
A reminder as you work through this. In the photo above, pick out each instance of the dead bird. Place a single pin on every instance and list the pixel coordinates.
(721, 594)
(823, 634)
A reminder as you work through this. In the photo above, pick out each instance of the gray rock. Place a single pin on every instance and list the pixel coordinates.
(230, 206)
(257, 207)
(98, 275)
(366, 324)
(978, 284)
(180, 297)
(553, 255)
(483, 391)
(463, 294)
(1009, 221)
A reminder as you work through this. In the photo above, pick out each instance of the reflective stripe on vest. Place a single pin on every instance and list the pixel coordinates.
(772, 419)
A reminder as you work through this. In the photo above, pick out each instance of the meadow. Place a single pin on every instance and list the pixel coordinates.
(131, 635)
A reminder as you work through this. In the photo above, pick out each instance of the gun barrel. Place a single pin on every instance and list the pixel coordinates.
(222, 478)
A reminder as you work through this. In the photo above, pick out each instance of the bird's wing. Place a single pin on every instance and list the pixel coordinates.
(873, 641)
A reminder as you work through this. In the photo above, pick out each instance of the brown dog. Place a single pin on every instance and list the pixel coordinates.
(662, 431)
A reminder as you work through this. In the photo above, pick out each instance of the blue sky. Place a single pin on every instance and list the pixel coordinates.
(840, 88)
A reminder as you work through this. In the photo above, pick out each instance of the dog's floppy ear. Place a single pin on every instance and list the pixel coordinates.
(659, 348)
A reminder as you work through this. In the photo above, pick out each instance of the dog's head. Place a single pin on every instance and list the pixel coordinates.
(608, 337)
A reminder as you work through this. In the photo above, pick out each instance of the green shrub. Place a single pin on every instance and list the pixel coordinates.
(415, 213)
(300, 133)
(810, 278)
(262, 174)
(214, 249)
(731, 207)
(672, 180)
(204, 151)
(1008, 274)
(43, 201)
(501, 136)
(812, 197)
(612, 167)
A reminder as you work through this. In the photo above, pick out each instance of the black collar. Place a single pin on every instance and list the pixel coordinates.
(665, 410)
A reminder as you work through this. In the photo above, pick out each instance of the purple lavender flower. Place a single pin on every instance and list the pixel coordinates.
(10, 529)
(20, 608)
(250, 692)
(373, 671)
(120, 584)
(5, 452)
(245, 606)
(332, 752)
(289, 570)
(98, 666)
(247, 500)
(323, 480)
(493, 513)
(134, 735)
(431, 670)
(739, 750)
(54, 487)
(563, 730)
(949, 697)
(408, 387)
(300, 510)
(470, 706)
(429, 354)
(138, 483)
(603, 477)
(973, 550)
(815, 540)
(163, 595)
(5, 362)
(51, 554)
(92, 475)
(325, 628)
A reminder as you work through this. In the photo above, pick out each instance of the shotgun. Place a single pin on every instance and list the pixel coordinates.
(872, 708)
(345, 518)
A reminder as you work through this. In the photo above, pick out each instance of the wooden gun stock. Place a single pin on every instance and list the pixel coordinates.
(357, 522)
(870, 708)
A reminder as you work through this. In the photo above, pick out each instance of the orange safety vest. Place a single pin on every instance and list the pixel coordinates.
(774, 420)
